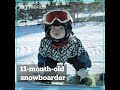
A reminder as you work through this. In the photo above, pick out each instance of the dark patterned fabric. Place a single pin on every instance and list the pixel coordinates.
(71, 49)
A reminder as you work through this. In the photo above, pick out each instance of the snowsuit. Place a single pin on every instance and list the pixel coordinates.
(73, 52)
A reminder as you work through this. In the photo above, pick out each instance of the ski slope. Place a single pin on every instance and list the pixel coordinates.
(27, 41)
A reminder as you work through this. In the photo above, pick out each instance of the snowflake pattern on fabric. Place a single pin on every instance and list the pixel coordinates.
(71, 49)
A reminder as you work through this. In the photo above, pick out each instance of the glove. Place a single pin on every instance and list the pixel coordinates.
(82, 73)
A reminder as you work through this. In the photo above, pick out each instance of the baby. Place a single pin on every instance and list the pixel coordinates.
(60, 45)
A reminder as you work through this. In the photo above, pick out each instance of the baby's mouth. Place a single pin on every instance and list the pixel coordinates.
(56, 34)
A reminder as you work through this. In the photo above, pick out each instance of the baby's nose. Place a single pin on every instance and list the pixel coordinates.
(57, 31)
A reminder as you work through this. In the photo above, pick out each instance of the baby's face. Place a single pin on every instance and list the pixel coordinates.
(57, 32)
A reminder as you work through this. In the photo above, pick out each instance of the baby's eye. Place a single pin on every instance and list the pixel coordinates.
(61, 28)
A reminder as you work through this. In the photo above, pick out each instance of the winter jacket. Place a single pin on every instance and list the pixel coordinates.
(71, 49)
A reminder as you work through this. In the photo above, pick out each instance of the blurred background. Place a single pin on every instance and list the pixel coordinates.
(31, 13)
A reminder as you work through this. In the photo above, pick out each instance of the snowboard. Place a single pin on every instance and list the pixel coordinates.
(95, 81)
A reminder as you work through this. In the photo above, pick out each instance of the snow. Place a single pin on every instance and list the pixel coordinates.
(81, 15)
(28, 22)
(90, 33)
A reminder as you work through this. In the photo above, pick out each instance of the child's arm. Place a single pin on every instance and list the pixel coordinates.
(83, 57)
(41, 60)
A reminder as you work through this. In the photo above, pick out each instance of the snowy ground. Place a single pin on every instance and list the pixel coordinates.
(80, 15)
(91, 34)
